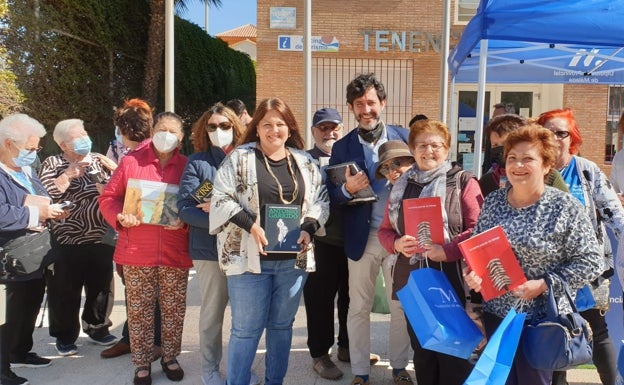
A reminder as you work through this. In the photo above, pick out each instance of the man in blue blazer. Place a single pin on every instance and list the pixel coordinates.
(366, 98)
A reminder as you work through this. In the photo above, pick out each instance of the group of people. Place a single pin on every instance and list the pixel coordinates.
(557, 233)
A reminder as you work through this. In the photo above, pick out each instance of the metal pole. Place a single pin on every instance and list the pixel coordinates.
(307, 65)
(207, 15)
(169, 52)
(478, 138)
(446, 30)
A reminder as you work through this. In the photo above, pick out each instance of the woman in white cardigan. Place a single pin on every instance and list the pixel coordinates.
(264, 286)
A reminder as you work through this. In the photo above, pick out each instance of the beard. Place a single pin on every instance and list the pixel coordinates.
(326, 145)
(368, 126)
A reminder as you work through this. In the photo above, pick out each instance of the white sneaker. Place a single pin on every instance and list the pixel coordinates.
(213, 378)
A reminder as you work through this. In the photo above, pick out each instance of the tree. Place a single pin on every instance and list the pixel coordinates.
(10, 96)
(77, 59)
(156, 45)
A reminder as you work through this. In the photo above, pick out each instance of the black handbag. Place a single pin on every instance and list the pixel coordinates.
(559, 341)
(24, 255)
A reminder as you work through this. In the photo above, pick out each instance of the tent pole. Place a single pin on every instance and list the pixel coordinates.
(453, 128)
(444, 77)
(478, 138)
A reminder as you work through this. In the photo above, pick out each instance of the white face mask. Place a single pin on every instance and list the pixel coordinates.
(164, 141)
(221, 138)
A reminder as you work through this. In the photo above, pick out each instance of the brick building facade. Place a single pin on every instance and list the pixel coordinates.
(399, 40)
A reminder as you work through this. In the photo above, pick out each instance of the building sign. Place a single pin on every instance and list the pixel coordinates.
(319, 43)
(405, 41)
(283, 18)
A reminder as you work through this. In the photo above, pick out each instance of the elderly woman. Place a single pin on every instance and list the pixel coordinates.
(591, 187)
(394, 159)
(84, 261)
(19, 143)
(151, 269)
(224, 133)
(432, 175)
(549, 232)
(202, 166)
(265, 287)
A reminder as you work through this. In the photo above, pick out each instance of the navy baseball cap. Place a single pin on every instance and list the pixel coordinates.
(326, 115)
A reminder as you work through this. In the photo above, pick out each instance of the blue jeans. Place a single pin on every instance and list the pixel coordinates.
(267, 300)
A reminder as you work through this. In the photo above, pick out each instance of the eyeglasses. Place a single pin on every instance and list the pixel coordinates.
(329, 127)
(435, 146)
(29, 150)
(211, 127)
(387, 168)
(561, 134)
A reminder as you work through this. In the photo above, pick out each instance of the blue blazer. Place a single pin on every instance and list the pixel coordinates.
(200, 166)
(356, 218)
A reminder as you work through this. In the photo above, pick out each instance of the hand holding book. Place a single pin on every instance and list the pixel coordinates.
(493, 262)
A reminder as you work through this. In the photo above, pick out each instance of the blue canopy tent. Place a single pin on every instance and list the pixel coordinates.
(537, 41)
(531, 41)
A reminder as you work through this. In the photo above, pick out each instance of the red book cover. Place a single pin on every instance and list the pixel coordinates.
(422, 218)
(490, 255)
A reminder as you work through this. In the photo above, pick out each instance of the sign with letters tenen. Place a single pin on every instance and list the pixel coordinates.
(319, 43)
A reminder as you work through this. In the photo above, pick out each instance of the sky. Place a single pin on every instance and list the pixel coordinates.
(231, 14)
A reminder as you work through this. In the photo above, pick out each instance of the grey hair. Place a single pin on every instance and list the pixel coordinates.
(63, 127)
(19, 127)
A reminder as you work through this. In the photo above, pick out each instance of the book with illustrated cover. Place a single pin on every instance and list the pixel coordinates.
(282, 227)
(490, 255)
(154, 203)
(423, 220)
(336, 175)
(203, 192)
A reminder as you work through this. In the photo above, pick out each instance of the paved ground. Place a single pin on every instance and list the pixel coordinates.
(87, 368)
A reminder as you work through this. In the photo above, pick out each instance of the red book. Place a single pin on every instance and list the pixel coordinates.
(489, 254)
(422, 218)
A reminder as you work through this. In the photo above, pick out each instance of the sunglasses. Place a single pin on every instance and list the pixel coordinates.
(211, 127)
(561, 134)
(328, 127)
(387, 168)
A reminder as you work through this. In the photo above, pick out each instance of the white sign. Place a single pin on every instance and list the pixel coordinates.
(467, 124)
(283, 17)
(319, 43)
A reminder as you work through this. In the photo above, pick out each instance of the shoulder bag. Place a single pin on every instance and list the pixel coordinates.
(559, 341)
(25, 254)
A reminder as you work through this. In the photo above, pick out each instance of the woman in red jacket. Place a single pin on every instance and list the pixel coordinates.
(155, 258)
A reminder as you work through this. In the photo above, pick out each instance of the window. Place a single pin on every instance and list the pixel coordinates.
(465, 10)
(330, 77)
(613, 139)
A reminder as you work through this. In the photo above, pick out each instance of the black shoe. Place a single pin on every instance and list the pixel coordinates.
(172, 374)
(11, 378)
(102, 337)
(32, 360)
(147, 380)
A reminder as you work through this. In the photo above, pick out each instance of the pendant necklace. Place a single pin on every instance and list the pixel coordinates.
(279, 185)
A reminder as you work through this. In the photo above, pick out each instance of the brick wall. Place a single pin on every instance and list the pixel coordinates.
(589, 103)
(280, 73)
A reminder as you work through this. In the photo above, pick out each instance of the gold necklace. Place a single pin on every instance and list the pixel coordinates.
(279, 185)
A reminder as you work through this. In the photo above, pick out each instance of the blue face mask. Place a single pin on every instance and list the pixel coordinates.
(118, 136)
(82, 145)
(25, 158)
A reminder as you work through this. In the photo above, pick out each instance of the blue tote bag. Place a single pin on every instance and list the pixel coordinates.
(437, 315)
(495, 362)
(584, 299)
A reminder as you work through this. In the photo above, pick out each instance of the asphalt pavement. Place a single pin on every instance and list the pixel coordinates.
(87, 368)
